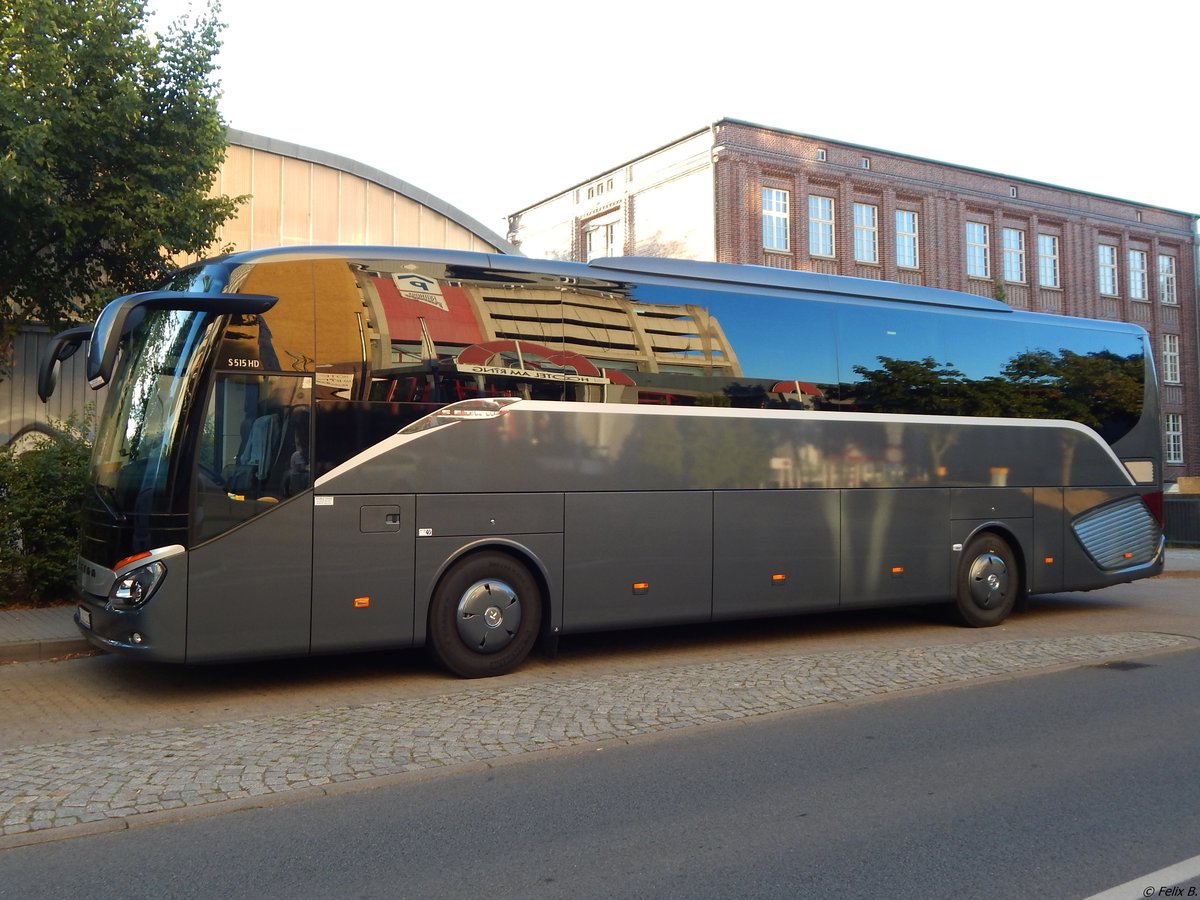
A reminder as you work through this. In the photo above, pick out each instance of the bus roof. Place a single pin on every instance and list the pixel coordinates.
(765, 276)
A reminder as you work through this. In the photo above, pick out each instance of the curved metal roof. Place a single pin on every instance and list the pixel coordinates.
(368, 173)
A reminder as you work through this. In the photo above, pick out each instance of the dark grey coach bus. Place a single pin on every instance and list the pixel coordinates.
(316, 450)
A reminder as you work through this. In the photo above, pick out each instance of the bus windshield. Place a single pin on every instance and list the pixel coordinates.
(135, 464)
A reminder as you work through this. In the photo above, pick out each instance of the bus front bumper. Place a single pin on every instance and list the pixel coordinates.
(155, 630)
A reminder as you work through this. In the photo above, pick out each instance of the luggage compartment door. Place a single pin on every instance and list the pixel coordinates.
(362, 572)
(775, 552)
(661, 540)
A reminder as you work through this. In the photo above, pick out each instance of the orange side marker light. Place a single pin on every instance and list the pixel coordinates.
(362, 602)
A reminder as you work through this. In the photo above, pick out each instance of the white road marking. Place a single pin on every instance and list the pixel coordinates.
(1151, 885)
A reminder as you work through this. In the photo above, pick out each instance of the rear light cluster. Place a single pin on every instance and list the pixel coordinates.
(1154, 503)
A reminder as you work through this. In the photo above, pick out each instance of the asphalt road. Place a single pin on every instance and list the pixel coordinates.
(1054, 785)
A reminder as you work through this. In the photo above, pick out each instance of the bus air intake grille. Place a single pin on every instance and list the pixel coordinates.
(1119, 535)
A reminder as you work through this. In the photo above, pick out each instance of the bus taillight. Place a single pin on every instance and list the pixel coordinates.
(1154, 502)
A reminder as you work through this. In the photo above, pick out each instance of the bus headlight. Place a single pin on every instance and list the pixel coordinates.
(136, 587)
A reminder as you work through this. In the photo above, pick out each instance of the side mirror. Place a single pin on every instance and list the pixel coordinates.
(62, 347)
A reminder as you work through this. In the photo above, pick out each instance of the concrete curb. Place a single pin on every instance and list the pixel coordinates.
(36, 650)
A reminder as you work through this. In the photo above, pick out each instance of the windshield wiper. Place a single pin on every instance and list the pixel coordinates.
(109, 501)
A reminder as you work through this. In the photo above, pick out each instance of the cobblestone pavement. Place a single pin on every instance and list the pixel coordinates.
(80, 786)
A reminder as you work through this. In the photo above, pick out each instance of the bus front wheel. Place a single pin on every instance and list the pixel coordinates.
(484, 616)
(988, 582)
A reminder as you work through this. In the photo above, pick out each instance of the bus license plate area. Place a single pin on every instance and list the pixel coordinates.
(85, 617)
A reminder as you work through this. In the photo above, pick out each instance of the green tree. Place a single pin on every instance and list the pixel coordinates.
(110, 141)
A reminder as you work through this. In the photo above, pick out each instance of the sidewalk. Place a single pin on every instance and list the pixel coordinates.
(31, 634)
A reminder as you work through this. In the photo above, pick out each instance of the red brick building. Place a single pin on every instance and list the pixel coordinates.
(742, 193)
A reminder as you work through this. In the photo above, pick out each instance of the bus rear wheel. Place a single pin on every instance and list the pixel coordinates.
(988, 582)
(484, 616)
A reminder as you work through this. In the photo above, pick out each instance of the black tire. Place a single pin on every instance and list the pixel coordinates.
(485, 615)
(989, 582)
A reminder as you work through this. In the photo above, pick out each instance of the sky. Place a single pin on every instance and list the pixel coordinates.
(493, 107)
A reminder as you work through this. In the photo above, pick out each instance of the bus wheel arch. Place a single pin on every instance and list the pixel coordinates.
(989, 579)
(486, 612)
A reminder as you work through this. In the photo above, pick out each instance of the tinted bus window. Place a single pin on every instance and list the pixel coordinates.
(761, 352)
(1087, 376)
(894, 360)
(1023, 369)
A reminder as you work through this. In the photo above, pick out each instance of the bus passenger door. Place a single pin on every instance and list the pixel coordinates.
(249, 578)
(362, 555)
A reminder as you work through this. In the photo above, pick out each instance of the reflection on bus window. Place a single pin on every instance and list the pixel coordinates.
(255, 448)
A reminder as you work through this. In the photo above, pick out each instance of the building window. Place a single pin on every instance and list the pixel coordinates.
(1012, 192)
(907, 252)
(1138, 287)
(1106, 259)
(865, 162)
(1048, 261)
(820, 226)
(775, 220)
(1014, 255)
(1173, 431)
(977, 250)
(604, 238)
(866, 233)
(1170, 358)
(1166, 280)
(821, 155)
